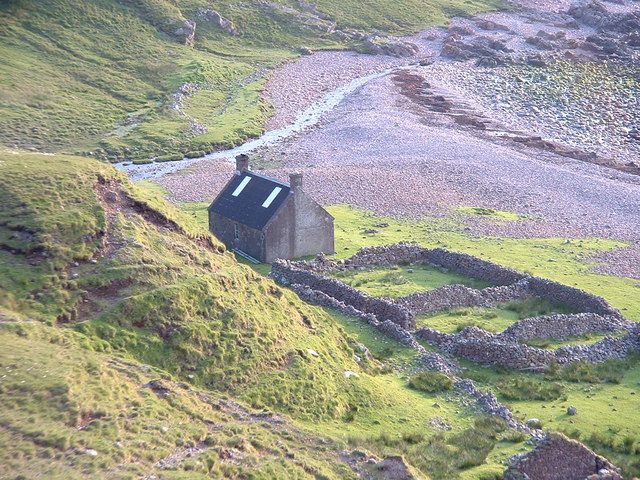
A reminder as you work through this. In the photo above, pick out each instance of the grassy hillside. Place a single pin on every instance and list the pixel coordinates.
(100, 76)
(105, 288)
(605, 395)
(82, 246)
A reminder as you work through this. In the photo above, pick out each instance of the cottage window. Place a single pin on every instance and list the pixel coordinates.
(236, 231)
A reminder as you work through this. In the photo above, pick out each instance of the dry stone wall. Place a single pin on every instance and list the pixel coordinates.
(456, 296)
(574, 297)
(396, 317)
(287, 273)
(487, 348)
(473, 266)
(565, 326)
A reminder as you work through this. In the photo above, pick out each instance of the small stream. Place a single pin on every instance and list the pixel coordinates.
(304, 120)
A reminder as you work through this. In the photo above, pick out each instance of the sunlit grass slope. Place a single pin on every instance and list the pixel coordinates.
(72, 413)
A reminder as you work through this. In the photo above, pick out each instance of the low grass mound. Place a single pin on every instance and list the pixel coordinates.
(530, 389)
(431, 382)
(611, 371)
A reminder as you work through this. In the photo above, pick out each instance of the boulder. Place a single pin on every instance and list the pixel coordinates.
(210, 15)
(187, 30)
(391, 468)
(378, 45)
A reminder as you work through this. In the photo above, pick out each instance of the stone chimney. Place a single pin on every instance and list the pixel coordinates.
(295, 180)
(242, 162)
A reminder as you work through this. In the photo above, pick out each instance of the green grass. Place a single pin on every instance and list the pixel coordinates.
(492, 319)
(198, 320)
(60, 400)
(431, 382)
(564, 260)
(399, 281)
(489, 212)
(198, 317)
(530, 389)
(609, 432)
(453, 321)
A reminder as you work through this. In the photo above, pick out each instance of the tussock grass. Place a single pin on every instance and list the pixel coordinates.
(431, 382)
(530, 389)
(60, 400)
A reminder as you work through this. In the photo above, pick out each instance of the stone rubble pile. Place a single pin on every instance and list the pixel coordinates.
(489, 403)
(557, 457)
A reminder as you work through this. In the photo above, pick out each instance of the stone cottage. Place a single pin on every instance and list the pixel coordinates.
(267, 219)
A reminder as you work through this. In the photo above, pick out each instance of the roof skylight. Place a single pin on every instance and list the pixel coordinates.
(240, 187)
(272, 196)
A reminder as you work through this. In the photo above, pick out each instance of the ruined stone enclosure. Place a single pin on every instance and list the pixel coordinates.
(397, 317)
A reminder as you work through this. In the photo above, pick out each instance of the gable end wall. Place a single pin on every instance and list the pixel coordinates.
(314, 227)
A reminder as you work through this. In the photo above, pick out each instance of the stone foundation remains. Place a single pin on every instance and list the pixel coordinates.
(396, 318)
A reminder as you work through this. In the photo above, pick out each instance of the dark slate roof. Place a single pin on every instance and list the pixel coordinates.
(246, 207)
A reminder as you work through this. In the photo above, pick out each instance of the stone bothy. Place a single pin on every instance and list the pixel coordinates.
(268, 219)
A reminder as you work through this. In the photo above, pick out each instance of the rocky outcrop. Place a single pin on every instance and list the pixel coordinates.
(210, 15)
(616, 34)
(557, 457)
(395, 47)
(486, 51)
(391, 468)
(593, 14)
(186, 30)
